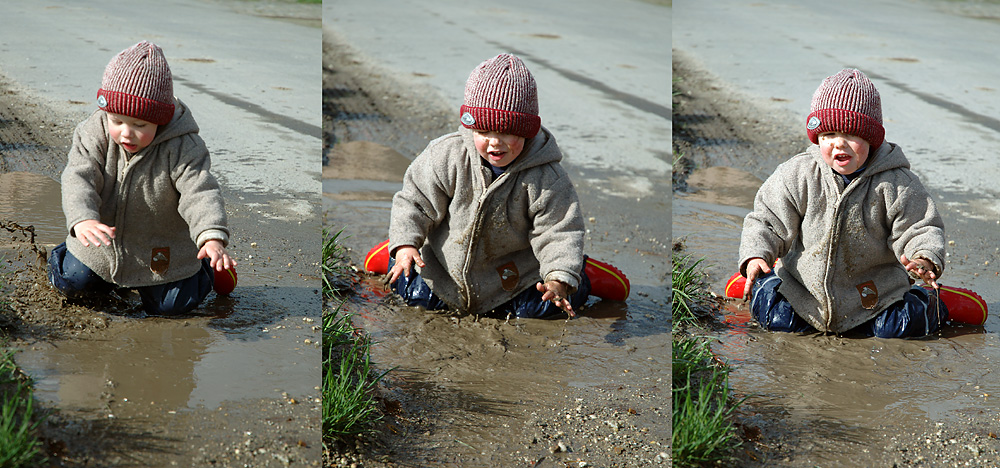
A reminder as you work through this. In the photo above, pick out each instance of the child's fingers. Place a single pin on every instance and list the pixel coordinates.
(751, 277)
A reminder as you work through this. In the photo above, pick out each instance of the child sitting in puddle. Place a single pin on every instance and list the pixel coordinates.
(489, 215)
(142, 209)
(846, 224)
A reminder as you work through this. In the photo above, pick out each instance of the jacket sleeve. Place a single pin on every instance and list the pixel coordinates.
(770, 230)
(84, 176)
(557, 230)
(422, 203)
(200, 200)
(917, 228)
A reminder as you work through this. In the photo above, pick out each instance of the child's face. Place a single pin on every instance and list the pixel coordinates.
(844, 153)
(131, 133)
(498, 149)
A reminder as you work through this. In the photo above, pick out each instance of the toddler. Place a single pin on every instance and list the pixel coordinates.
(846, 225)
(489, 215)
(142, 208)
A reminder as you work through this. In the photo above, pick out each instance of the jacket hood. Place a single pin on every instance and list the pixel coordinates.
(539, 150)
(182, 123)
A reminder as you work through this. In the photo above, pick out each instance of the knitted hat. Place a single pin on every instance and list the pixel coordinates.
(138, 83)
(847, 103)
(500, 96)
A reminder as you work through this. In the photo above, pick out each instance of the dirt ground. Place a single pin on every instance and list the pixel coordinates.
(268, 432)
(732, 142)
(481, 392)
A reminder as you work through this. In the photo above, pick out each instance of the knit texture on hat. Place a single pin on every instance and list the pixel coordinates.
(501, 96)
(137, 83)
(847, 103)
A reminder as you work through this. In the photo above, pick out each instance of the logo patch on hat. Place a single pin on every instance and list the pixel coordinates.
(468, 119)
(813, 123)
(101, 101)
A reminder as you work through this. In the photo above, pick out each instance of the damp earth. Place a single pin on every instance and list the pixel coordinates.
(235, 383)
(468, 391)
(823, 400)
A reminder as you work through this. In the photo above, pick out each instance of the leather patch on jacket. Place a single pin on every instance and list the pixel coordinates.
(509, 277)
(869, 294)
(160, 260)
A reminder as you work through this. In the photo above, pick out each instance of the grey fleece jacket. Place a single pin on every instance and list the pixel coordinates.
(163, 201)
(838, 246)
(482, 242)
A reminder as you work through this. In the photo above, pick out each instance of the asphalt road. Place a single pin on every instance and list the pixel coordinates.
(602, 68)
(253, 83)
(932, 62)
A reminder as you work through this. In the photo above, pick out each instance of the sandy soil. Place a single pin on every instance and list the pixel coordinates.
(479, 392)
(797, 419)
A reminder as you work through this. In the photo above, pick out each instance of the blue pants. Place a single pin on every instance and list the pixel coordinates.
(527, 304)
(75, 280)
(915, 316)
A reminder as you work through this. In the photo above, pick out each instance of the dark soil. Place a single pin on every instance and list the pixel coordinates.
(368, 112)
(714, 126)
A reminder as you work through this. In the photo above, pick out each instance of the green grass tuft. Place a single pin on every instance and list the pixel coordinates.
(349, 379)
(689, 293)
(19, 444)
(334, 266)
(703, 432)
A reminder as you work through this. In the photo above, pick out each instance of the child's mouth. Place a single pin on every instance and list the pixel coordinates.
(497, 155)
(131, 148)
(842, 159)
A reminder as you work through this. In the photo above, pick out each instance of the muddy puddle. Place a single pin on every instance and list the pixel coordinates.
(836, 401)
(477, 389)
(256, 351)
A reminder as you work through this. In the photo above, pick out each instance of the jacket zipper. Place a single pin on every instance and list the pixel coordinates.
(472, 237)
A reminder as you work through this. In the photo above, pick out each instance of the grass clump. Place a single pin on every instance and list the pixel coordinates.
(703, 409)
(19, 444)
(689, 295)
(334, 268)
(349, 379)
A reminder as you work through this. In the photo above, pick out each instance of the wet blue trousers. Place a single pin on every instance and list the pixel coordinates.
(75, 279)
(527, 304)
(915, 316)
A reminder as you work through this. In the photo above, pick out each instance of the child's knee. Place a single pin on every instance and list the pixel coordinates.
(70, 276)
(918, 314)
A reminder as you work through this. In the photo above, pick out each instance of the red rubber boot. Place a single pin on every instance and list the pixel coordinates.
(377, 260)
(963, 305)
(606, 281)
(735, 285)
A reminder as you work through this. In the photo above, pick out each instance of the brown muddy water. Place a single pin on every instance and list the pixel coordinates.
(838, 401)
(478, 388)
(251, 351)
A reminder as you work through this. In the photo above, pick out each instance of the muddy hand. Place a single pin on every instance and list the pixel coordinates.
(755, 267)
(920, 268)
(93, 232)
(558, 293)
(406, 256)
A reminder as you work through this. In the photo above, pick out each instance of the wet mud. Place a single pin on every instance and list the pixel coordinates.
(470, 391)
(236, 383)
(819, 400)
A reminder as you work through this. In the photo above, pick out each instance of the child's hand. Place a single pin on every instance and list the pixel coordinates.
(755, 267)
(920, 268)
(558, 293)
(94, 232)
(220, 259)
(406, 256)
